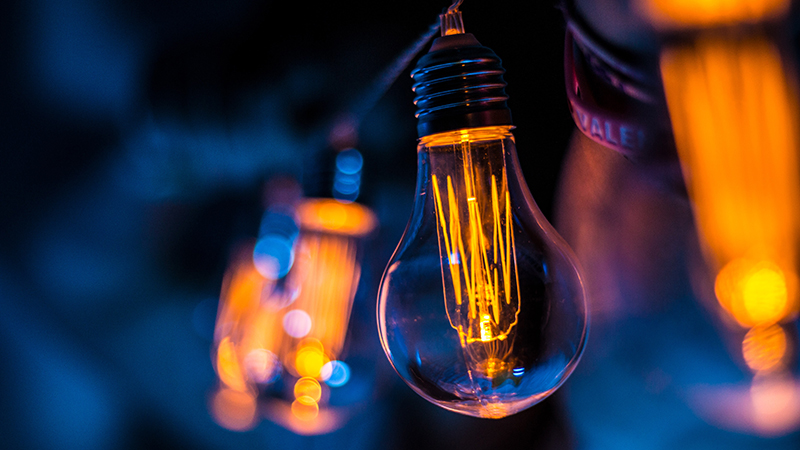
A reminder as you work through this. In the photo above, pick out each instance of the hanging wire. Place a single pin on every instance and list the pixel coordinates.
(387, 78)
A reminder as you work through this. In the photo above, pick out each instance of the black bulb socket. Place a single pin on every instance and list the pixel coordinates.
(459, 84)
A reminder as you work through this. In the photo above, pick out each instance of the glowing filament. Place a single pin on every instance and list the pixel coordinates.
(486, 328)
(476, 245)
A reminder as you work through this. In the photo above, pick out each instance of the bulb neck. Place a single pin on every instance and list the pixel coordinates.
(470, 135)
(459, 84)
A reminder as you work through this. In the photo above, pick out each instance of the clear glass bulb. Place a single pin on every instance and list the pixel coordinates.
(481, 308)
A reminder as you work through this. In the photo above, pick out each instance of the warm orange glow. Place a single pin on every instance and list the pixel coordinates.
(305, 408)
(328, 265)
(735, 123)
(327, 419)
(732, 104)
(252, 341)
(706, 13)
(241, 288)
(476, 244)
(764, 295)
(234, 410)
(470, 134)
(764, 348)
(309, 360)
(486, 298)
(263, 332)
(228, 369)
(753, 292)
(245, 331)
(250, 329)
(332, 215)
(308, 387)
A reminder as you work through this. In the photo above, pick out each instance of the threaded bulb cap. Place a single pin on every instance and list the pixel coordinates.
(459, 84)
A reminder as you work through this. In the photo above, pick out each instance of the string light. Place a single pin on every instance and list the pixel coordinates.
(481, 308)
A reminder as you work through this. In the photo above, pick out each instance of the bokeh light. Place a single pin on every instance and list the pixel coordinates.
(305, 408)
(335, 373)
(753, 292)
(262, 365)
(330, 215)
(764, 294)
(234, 410)
(297, 323)
(764, 347)
(349, 161)
(309, 360)
(273, 256)
(776, 405)
(308, 387)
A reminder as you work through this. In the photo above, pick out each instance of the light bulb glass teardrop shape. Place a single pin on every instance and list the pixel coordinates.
(481, 308)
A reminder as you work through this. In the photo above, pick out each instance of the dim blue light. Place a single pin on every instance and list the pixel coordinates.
(349, 161)
(273, 256)
(347, 180)
(340, 374)
(346, 186)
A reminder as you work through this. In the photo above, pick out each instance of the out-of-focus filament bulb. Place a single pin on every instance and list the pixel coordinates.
(481, 308)
(283, 316)
(731, 92)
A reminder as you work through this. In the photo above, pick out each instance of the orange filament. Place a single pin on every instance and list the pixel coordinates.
(476, 242)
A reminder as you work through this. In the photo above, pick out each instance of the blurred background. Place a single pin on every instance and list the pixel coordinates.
(140, 139)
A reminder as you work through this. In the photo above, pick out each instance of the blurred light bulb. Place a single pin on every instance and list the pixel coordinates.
(732, 101)
(285, 310)
(481, 308)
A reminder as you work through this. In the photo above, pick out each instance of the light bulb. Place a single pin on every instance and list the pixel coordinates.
(481, 308)
(285, 311)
